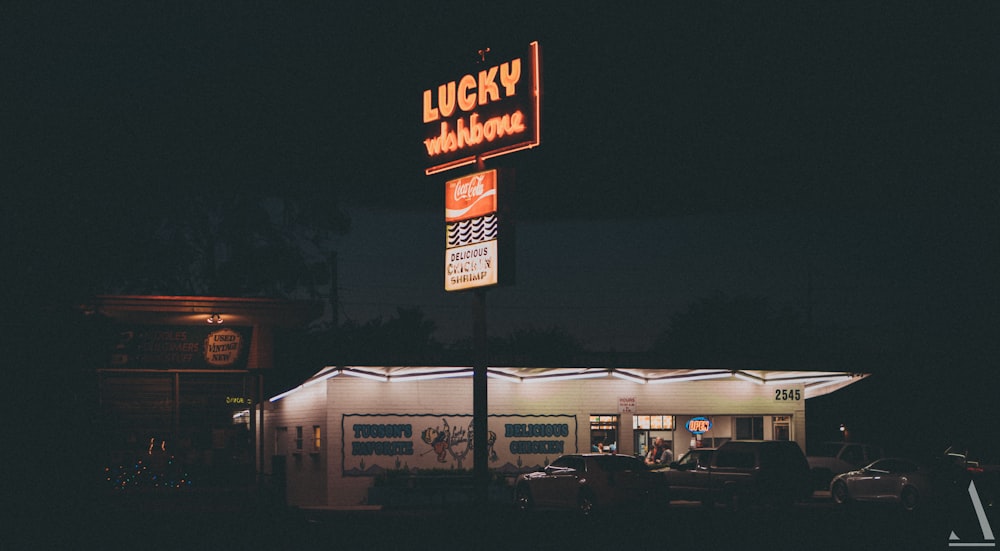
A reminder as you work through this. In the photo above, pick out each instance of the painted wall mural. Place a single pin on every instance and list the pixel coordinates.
(374, 443)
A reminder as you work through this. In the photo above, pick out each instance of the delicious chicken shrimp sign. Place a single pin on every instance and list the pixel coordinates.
(468, 120)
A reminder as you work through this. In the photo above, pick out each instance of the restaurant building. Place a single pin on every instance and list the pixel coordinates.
(338, 432)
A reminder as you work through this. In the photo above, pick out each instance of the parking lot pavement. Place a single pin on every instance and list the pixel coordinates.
(811, 525)
(815, 524)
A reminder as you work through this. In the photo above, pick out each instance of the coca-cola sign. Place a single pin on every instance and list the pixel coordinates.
(470, 196)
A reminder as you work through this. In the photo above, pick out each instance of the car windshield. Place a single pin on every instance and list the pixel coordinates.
(697, 457)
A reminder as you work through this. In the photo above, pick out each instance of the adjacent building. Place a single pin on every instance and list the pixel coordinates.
(178, 389)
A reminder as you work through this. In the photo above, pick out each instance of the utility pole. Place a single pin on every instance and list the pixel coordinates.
(480, 409)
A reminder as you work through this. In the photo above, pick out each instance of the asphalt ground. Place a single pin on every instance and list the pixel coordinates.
(239, 522)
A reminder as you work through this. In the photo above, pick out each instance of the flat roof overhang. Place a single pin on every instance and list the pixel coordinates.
(814, 383)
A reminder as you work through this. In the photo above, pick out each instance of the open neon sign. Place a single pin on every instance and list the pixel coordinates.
(699, 425)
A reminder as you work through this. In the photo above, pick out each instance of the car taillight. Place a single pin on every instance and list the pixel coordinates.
(975, 470)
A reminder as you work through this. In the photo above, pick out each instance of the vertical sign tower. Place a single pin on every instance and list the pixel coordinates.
(478, 116)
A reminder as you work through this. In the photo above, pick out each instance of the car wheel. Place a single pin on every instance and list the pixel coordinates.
(839, 493)
(585, 503)
(909, 498)
(522, 498)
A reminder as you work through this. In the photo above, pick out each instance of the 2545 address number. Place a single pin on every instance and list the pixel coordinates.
(787, 394)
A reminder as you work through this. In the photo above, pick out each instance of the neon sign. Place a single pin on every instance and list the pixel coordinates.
(491, 113)
(470, 196)
(699, 425)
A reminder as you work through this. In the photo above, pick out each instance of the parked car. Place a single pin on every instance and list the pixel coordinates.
(588, 482)
(745, 472)
(833, 458)
(683, 477)
(893, 480)
(960, 465)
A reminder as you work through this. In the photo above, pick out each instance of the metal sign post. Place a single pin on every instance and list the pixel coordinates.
(480, 409)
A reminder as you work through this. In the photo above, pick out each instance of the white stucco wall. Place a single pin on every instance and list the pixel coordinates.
(318, 479)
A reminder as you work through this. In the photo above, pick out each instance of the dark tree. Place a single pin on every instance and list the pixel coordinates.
(231, 244)
(528, 347)
(724, 332)
(406, 338)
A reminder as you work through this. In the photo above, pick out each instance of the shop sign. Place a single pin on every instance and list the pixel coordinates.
(470, 196)
(181, 347)
(471, 266)
(626, 404)
(487, 113)
(374, 443)
(698, 425)
(473, 228)
(238, 401)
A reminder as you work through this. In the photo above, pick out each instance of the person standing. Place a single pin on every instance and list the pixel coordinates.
(659, 453)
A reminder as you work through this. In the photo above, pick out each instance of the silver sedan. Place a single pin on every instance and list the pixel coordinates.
(892, 480)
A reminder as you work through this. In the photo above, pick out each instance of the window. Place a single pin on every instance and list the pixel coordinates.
(738, 459)
(317, 440)
(654, 422)
(603, 432)
(298, 439)
(750, 428)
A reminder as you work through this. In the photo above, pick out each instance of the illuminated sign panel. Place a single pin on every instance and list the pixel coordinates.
(181, 347)
(699, 425)
(473, 220)
(470, 196)
(471, 266)
(490, 113)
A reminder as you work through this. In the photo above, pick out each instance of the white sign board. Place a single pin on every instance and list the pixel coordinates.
(626, 404)
(470, 266)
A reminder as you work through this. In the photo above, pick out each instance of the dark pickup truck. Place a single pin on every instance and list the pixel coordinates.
(741, 473)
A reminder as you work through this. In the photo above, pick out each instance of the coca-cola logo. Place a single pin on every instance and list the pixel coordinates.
(467, 191)
(471, 196)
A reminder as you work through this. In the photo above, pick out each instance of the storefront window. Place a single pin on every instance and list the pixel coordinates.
(750, 428)
(603, 433)
(653, 422)
(647, 428)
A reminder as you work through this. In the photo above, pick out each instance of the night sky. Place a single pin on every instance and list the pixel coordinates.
(838, 155)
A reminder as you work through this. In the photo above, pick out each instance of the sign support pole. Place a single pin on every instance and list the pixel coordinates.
(480, 410)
